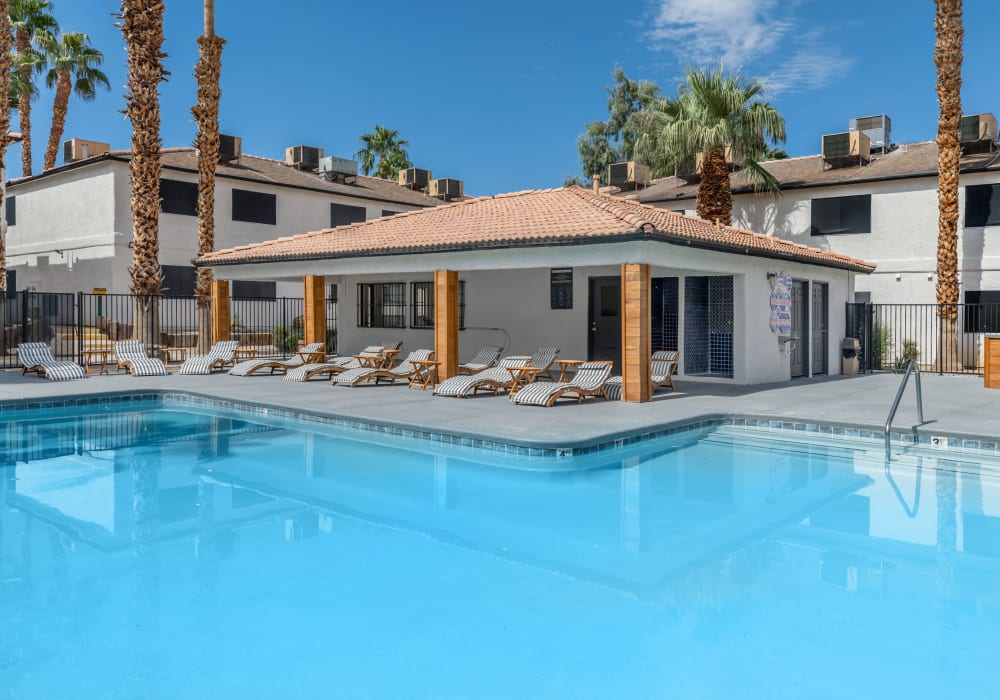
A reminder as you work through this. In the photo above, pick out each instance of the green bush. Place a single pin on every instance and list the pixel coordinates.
(286, 340)
(910, 352)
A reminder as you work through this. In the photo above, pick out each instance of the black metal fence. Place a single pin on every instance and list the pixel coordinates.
(74, 323)
(893, 334)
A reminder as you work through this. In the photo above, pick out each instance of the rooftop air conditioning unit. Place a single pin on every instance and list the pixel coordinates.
(303, 157)
(977, 129)
(338, 169)
(230, 148)
(628, 175)
(414, 178)
(445, 188)
(78, 149)
(847, 148)
(734, 160)
(687, 169)
(878, 129)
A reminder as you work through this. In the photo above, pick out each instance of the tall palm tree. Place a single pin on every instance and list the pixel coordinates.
(379, 146)
(33, 26)
(948, 59)
(5, 107)
(206, 115)
(715, 111)
(73, 69)
(142, 28)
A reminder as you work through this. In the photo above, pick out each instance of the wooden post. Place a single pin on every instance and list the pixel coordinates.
(446, 322)
(220, 311)
(636, 336)
(315, 303)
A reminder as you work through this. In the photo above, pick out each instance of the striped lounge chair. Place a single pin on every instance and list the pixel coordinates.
(132, 356)
(405, 370)
(334, 365)
(495, 379)
(662, 368)
(484, 359)
(221, 354)
(589, 380)
(38, 358)
(311, 353)
(543, 358)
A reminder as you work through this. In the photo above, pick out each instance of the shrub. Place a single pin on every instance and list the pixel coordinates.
(285, 339)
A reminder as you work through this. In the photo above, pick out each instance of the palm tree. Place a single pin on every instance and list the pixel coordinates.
(948, 59)
(73, 69)
(33, 26)
(142, 28)
(714, 112)
(378, 146)
(390, 165)
(206, 116)
(5, 107)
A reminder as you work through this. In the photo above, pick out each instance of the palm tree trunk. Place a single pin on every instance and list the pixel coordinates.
(142, 28)
(948, 59)
(5, 61)
(206, 114)
(23, 45)
(64, 86)
(715, 198)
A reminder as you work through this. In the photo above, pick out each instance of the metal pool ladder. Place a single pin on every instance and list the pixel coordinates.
(911, 368)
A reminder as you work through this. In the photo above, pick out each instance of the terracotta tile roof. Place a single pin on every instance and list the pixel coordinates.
(268, 171)
(910, 160)
(523, 219)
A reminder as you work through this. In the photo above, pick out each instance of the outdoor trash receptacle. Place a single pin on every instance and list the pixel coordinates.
(851, 355)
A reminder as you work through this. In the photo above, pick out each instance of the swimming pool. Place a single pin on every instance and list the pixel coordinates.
(186, 554)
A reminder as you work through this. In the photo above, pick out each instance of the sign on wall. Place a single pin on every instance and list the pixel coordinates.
(561, 287)
(781, 302)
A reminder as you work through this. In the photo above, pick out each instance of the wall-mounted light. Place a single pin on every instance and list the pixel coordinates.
(898, 277)
(772, 275)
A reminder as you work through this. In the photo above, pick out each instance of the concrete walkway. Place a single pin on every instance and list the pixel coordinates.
(956, 405)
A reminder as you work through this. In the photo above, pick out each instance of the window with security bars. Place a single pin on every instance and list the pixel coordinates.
(382, 305)
(422, 305)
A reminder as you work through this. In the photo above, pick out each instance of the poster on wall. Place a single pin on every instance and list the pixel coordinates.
(781, 303)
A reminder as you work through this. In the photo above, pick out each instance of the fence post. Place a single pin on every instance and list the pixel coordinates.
(24, 317)
(79, 327)
(284, 324)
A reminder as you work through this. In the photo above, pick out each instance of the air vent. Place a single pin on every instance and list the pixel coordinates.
(303, 157)
(338, 169)
(230, 148)
(414, 178)
(445, 188)
(977, 132)
(878, 129)
(79, 149)
(629, 175)
(846, 149)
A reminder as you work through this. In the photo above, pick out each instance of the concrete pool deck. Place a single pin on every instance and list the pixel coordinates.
(954, 405)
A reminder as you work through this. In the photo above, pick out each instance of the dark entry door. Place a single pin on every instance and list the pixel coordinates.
(820, 311)
(605, 320)
(800, 325)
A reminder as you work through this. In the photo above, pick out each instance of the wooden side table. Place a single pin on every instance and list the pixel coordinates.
(168, 357)
(245, 353)
(102, 357)
(389, 357)
(426, 374)
(565, 366)
(521, 376)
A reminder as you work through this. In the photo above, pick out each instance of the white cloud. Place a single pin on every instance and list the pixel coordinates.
(764, 35)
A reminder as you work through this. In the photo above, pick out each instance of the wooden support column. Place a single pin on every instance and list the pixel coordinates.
(314, 299)
(636, 333)
(220, 311)
(446, 322)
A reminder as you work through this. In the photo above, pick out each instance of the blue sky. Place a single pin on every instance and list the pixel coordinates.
(497, 93)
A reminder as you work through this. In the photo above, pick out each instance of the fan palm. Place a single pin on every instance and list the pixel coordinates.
(715, 111)
(33, 26)
(948, 59)
(206, 115)
(142, 29)
(73, 69)
(379, 146)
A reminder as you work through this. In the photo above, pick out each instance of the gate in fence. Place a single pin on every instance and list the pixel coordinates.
(74, 323)
(893, 334)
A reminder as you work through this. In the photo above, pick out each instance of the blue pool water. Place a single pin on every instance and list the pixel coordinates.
(168, 554)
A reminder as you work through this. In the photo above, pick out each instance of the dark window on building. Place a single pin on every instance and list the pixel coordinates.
(382, 305)
(178, 280)
(422, 305)
(982, 206)
(341, 214)
(255, 207)
(836, 215)
(389, 212)
(11, 284)
(254, 290)
(11, 211)
(179, 197)
(981, 313)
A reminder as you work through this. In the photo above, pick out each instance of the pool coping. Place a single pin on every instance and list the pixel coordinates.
(967, 443)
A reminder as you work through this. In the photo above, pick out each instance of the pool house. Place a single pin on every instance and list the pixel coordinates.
(598, 277)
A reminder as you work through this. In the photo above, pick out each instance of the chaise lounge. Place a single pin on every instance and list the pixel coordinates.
(484, 359)
(662, 368)
(405, 370)
(311, 353)
(335, 365)
(38, 358)
(132, 356)
(589, 380)
(221, 354)
(495, 379)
